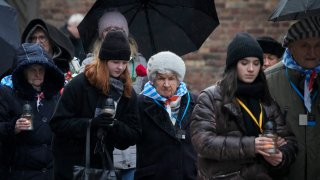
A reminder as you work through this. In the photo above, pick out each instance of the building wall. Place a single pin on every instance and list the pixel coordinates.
(205, 66)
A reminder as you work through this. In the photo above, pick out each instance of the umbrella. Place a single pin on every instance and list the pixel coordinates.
(9, 30)
(9, 37)
(295, 9)
(6, 58)
(180, 26)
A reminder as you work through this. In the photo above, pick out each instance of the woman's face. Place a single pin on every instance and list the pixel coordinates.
(166, 84)
(248, 69)
(35, 75)
(116, 67)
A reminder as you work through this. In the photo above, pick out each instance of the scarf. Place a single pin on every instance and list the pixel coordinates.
(310, 77)
(39, 97)
(250, 95)
(116, 89)
(150, 91)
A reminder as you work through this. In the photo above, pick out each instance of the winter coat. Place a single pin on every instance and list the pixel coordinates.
(308, 137)
(76, 42)
(126, 159)
(28, 153)
(160, 154)
(64, 50)
(70, 121)
(217, 132)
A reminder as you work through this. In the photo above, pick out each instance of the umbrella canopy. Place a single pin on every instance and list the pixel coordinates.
(9, 37)
(9, 30)
(295, 9)
(157, 25)
(7, 57)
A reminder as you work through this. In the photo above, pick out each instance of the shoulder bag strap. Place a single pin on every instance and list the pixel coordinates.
(88, 145)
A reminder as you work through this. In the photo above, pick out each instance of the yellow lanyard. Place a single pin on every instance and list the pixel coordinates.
(252, 116)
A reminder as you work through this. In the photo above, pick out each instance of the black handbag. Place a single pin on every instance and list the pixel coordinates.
(87, 173)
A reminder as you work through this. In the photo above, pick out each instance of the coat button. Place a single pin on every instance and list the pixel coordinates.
(44, 119)
(44, 170)
(129, 165)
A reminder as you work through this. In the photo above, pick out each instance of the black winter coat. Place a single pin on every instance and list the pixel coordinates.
(69, 124)
(160, 154)
(29, 152)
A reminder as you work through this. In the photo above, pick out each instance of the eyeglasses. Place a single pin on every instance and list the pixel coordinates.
(169, 80)
(41, 38)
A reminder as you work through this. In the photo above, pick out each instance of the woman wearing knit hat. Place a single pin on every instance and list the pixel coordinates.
(81, 104)
(272, 51)
(230, 116)
(294, 83)
(165, 106)
(112, 20)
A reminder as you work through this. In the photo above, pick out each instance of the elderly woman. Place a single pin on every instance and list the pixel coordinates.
(37, 82)
(165, 105)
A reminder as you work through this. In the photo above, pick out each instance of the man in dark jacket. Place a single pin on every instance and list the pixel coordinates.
(36, 82)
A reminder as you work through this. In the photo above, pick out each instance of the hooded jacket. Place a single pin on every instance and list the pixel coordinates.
(62, 46)
(29, 152)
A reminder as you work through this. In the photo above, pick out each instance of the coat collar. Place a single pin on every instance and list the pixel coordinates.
(161, 118)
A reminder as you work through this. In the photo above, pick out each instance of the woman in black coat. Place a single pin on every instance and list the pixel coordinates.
(37, 82)
(165, 105)
(81, 102)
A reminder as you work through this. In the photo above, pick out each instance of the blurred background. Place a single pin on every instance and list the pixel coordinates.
(205, 66)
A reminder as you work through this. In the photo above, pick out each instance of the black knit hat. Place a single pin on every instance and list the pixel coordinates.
(243, 45)
(271, 46)
(115, 46)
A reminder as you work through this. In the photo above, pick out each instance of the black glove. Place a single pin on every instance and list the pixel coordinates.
(103, 120)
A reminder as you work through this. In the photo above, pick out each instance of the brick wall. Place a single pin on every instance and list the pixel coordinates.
(205, 66)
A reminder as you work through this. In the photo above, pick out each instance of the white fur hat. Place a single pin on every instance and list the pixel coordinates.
(113, 19)
(165, 61)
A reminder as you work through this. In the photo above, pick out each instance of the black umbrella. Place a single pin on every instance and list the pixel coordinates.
(295, 9)
(9, 30)
(180, 26)
(9, 37)
(6, 58)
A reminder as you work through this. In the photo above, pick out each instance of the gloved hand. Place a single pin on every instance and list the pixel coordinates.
(102, 120)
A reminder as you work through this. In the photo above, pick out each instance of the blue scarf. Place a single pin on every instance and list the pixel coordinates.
(311, 75)
(150, 91)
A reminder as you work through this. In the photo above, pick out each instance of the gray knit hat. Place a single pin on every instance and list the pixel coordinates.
(113, 19)
(165, 61)
(305, 28)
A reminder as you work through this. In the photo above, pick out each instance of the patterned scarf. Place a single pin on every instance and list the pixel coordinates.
(116, 89)
(311, 75)
(150, 91)
(39, 97)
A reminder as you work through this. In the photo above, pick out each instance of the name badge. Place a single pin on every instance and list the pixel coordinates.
(307, 119)
(181, 134)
